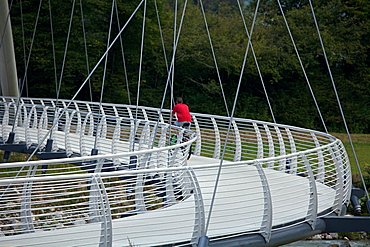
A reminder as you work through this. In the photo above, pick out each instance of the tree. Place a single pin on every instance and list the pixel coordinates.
(344, 27)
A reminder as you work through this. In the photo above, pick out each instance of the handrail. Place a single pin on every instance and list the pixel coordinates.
(118, 186)
(135, 172)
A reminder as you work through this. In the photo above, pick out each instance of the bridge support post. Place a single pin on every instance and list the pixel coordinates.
(8, 68)
(203, 241)
(48, 148)
(9, 141)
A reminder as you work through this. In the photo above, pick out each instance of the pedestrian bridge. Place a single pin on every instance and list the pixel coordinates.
(119, 175)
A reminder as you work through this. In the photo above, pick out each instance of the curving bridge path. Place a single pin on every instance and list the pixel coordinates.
(119, 175)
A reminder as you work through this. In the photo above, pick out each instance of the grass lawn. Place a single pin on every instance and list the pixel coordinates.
(361, 143)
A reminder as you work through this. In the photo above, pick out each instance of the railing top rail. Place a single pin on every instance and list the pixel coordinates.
(132, 172)
(196, 114)
(95, 157)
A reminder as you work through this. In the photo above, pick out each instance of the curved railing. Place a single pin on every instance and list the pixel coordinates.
(123, 175)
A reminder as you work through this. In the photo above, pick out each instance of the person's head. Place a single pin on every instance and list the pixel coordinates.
(179, 100)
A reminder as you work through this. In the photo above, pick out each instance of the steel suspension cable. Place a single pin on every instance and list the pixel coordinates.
(139, 76)
(169, 73)
(24, 80)
(25, 75)
(85, 46)
(230, 121)
(173, 61)
(162, 42)
(56, 118)
(53, 47)
(64, 61)
(161, 34)
(141, 61)
(123, 56)
(3, 49)
(103, 80)
(91, 73)
(257, 65)
(28, 60)
(65, 50)
(338, 100)
(301, 64)
(214, 57)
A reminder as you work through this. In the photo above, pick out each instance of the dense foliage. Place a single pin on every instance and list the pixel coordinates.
(344, 27)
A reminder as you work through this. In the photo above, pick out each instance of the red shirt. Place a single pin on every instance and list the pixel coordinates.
(182, 112)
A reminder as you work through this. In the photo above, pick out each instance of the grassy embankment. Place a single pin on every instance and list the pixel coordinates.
(361, 143)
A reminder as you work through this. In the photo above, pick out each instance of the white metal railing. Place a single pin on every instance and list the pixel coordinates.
(254, 136)
(139, 176)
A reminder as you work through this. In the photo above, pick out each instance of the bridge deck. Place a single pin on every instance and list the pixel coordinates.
(281, 176)
(241, 207)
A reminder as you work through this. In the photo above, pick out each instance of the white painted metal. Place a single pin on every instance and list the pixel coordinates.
(198, 144)
(312, 206)
(217, 141)
(238, 146)
(146, 192)
(340, 181)
(266, 223)
(8, 67)
(321, 166)
(292, 163)
(259, 141)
